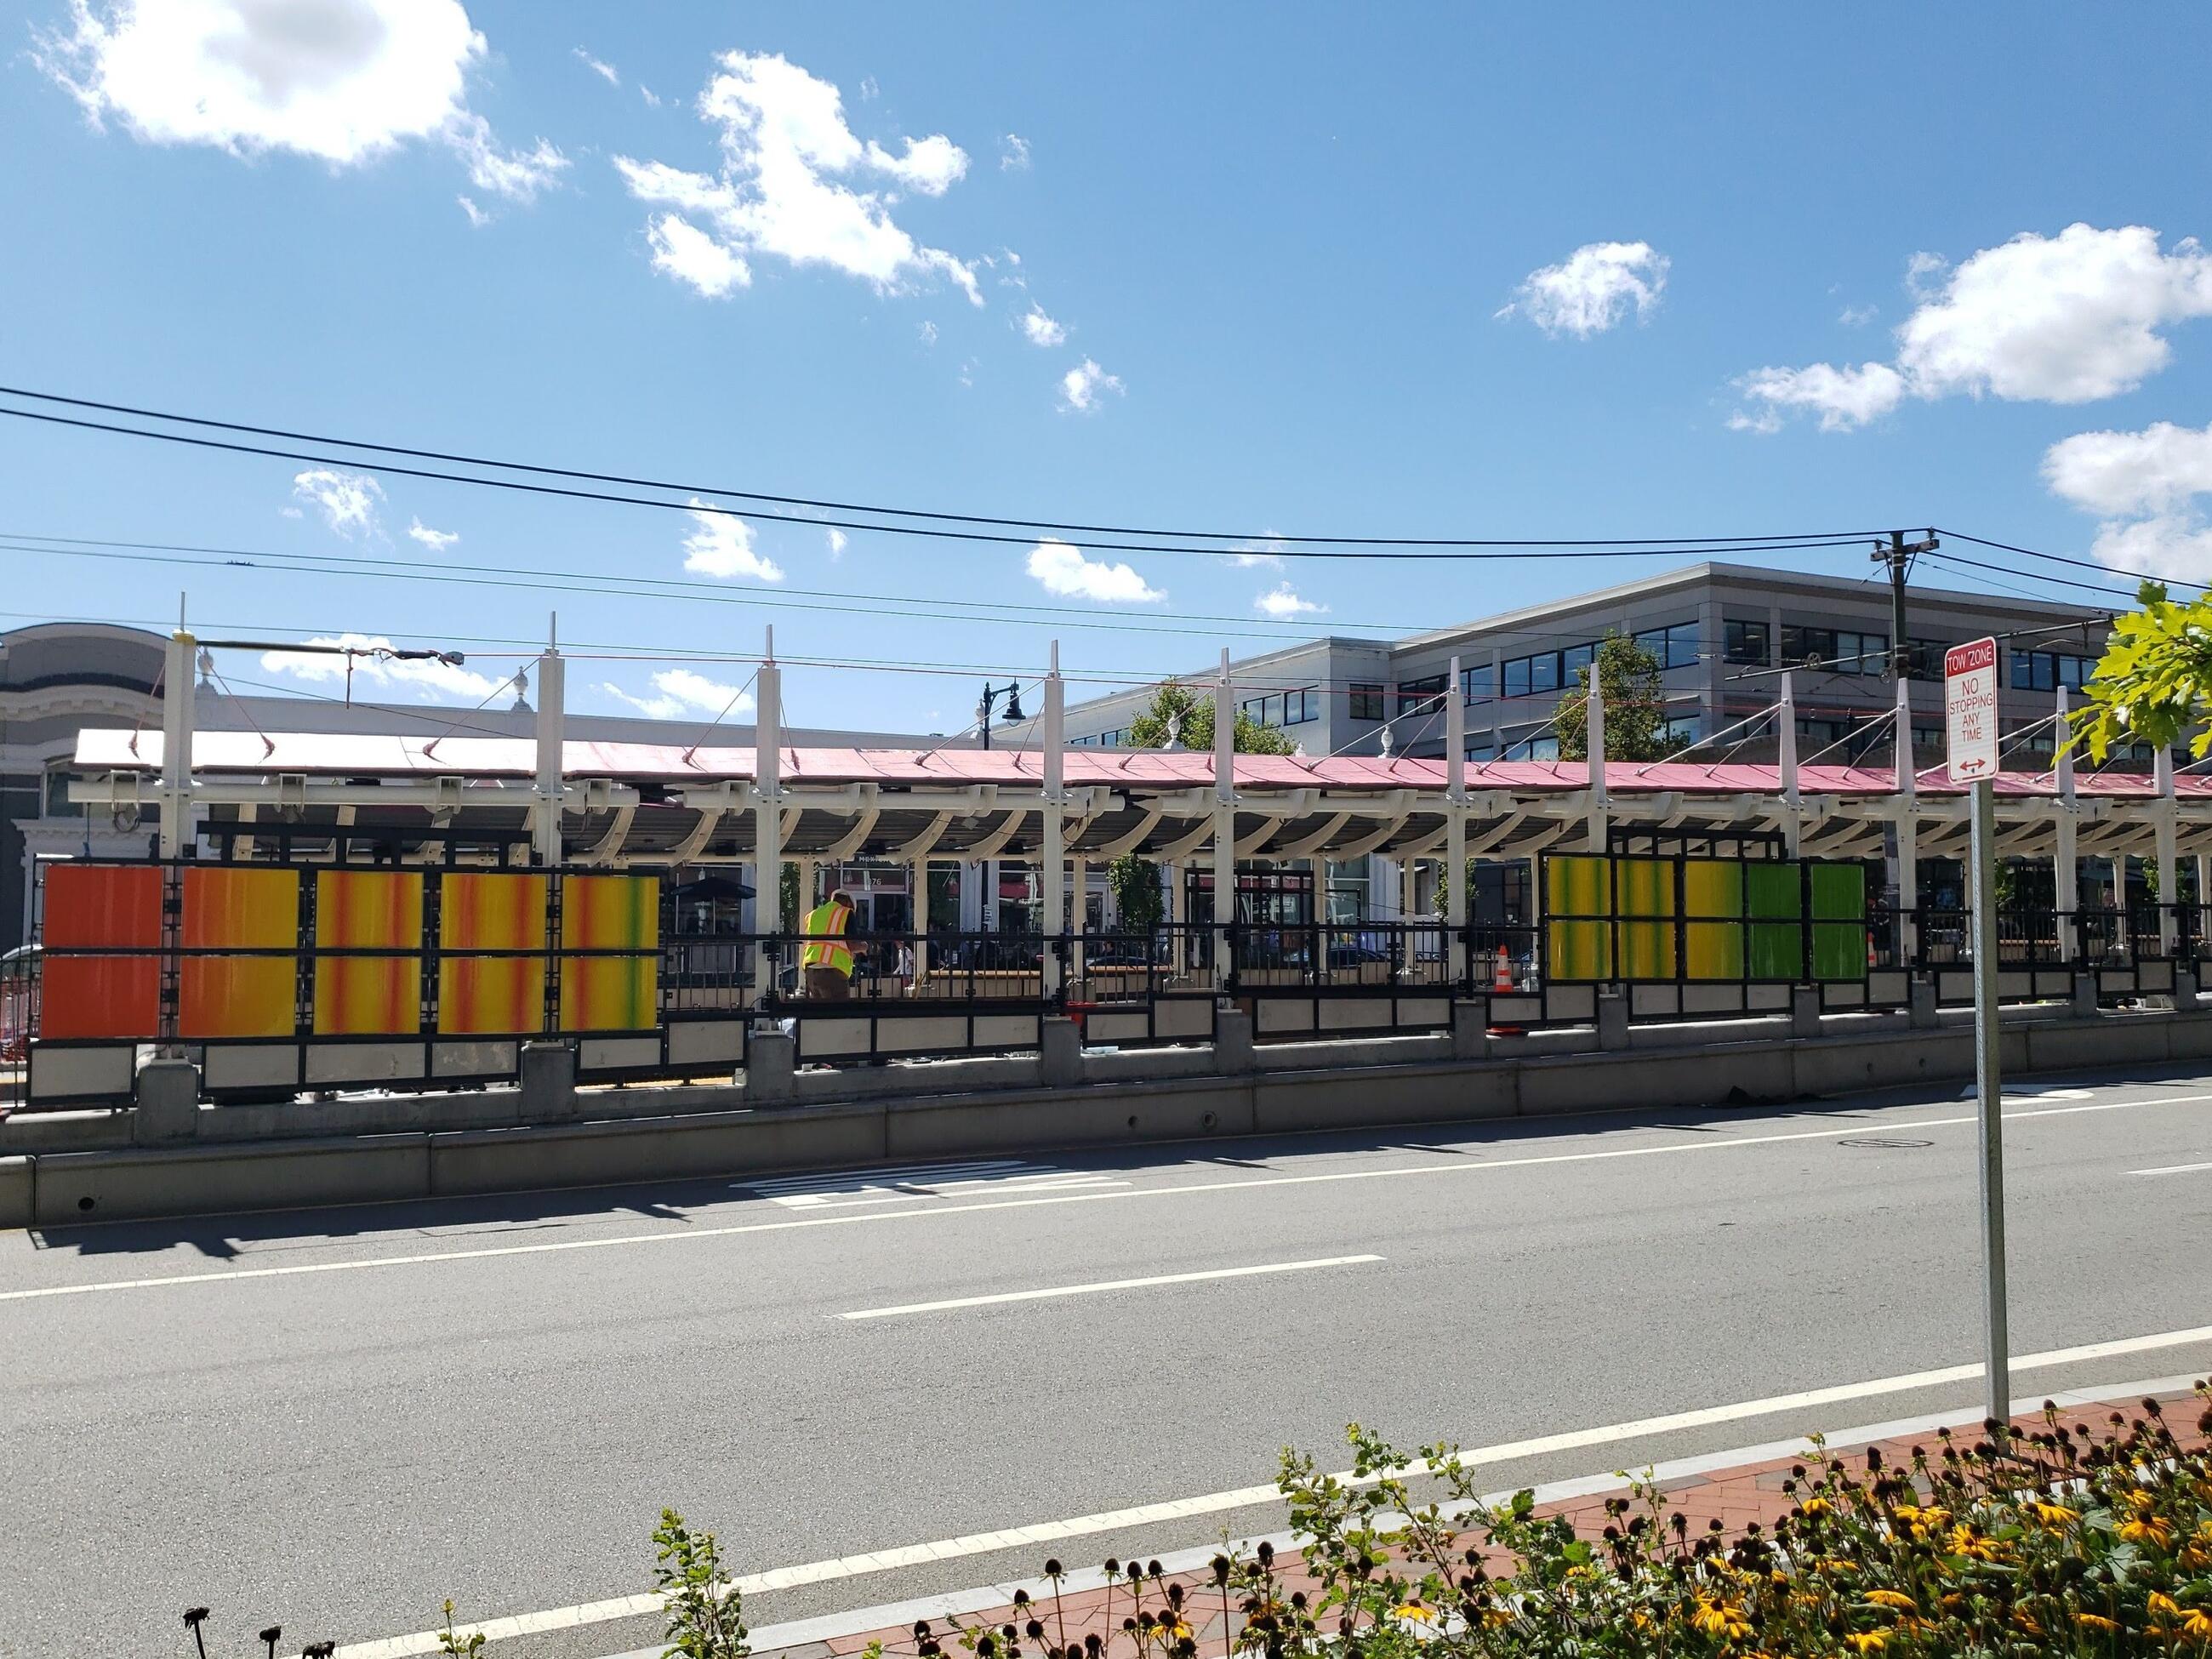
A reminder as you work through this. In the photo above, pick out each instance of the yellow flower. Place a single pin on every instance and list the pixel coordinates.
(1414, 1610)
(2164, 1604)
(2156, 1530)
(1720, 1619)
(1886, 1598)
(1965, 1541)
(2056, 1516)
(2095, 1621)
(2198, 1626)
(1817, 1506)
(1867, 1641)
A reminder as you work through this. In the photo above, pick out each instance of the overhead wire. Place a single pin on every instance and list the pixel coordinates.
(1265, 539)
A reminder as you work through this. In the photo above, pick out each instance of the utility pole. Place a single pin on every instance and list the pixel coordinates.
(1898, 555)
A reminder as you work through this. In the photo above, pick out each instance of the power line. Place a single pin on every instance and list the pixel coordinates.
(2079, 564)
(1744, 542)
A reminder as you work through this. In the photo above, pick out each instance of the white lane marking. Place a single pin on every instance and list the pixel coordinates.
(2174, 1169)
(1240, 1497)
(1102, 1285)
(1465, 1166)
(915, 1183)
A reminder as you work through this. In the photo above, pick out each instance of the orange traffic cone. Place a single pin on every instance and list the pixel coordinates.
(1502, 978)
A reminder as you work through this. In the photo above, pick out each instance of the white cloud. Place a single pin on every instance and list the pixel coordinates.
(347, 500)
(928, 333)
(605, 70)
(1079, 388)
(651, 97)
(1062, 569)
(1040, 330)
(2146, 486)
(684, 691)
(2154, 471)
(477, 216)
(1593, 289)
(1283, 602)
(786, 150)
(437, 540)
(426, 679)
(838, 543)
(343, 81)
(2061, 319)
(869, 90)
(688, 254)
(722, 545)
(1843, 398)
(1267, 552)
(1857, 316)
(1014, 153)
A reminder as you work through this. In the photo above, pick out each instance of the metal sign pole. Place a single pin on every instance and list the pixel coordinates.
(1988, 1092)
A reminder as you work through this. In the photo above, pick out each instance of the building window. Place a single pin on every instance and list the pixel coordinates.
(1675, 646)
(1923, 658)
(1112, 739)
(1300, 707)
(1745, 643)
(1544, 673)
(1573, 660)
(1516, 678)
(1366, 702)
(1683, 729)
(1840, 651)
(2046, 670)
(1477, 684)
(1531, 746)
(59, 803)
(1421, 696)
(1482, 747)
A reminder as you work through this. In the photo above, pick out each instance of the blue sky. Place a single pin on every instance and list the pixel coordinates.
(1614, 271)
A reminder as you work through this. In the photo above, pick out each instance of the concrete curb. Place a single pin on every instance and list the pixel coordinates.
(702, 1132)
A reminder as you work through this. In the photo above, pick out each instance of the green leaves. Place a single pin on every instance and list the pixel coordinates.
(1632, 679)
(704, 1609)
(2151, 685)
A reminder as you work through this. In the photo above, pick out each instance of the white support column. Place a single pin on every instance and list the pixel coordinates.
(1908, 788)
(1786, 713)
(545, 834)
(1079, 912)
(918, 913)
(2169, 858)
(179, 827)
(1594, 732)
(768, 816)
(1224, 819)
(1054, 885)
(2066, 860)
(1455, 823)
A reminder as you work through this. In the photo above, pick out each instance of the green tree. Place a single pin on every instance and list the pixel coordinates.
(1179, 715)
(1631, 680)
(2154, 680)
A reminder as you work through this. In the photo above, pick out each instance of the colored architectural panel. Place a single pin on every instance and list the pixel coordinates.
(368, 910)
(610, 993)
(502, 992)
(224, 989)
(1646, 889)
(101, 907)
(1578, 885)
(1774, 899)
(1840, 940)
(1713, 935)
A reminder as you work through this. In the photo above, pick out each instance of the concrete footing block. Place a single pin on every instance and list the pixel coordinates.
(548, 1083)
(1804, 1010)
(16, 1192)
(1470, 1029)
(1611, 1020)
(2184, 987)
(168, 1103)
(1920, 1004)
(771, 1065)
(2085, 995)
(1232, 1042)
(1059, 1053)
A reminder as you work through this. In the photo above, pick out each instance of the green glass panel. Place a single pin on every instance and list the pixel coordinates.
(1839, 892)
(1840, 950)
(1580, 951)
(1777, 950)
(1716, 949)
(1772, 891)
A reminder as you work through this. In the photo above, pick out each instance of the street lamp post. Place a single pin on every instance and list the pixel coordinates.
(1012, 692)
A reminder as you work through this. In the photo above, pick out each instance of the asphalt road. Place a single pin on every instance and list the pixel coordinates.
(335, 1420)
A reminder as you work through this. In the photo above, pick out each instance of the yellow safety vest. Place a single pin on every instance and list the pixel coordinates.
(827, 924)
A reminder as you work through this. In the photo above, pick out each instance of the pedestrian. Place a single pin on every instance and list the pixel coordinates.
(827, 958)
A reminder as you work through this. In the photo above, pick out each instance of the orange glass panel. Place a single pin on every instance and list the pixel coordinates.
(493, 995)
(101, 907)
(368, 910)
(610, 913)
(230, 909)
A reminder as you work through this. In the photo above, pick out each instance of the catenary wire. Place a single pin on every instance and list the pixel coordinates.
(581, 476)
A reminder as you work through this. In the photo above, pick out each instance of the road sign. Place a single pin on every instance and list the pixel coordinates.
(1969, 710)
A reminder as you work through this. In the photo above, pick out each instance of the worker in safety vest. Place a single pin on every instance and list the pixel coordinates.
(827, 958)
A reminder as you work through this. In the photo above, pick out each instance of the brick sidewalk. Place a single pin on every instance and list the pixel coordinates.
(1706, 1489)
